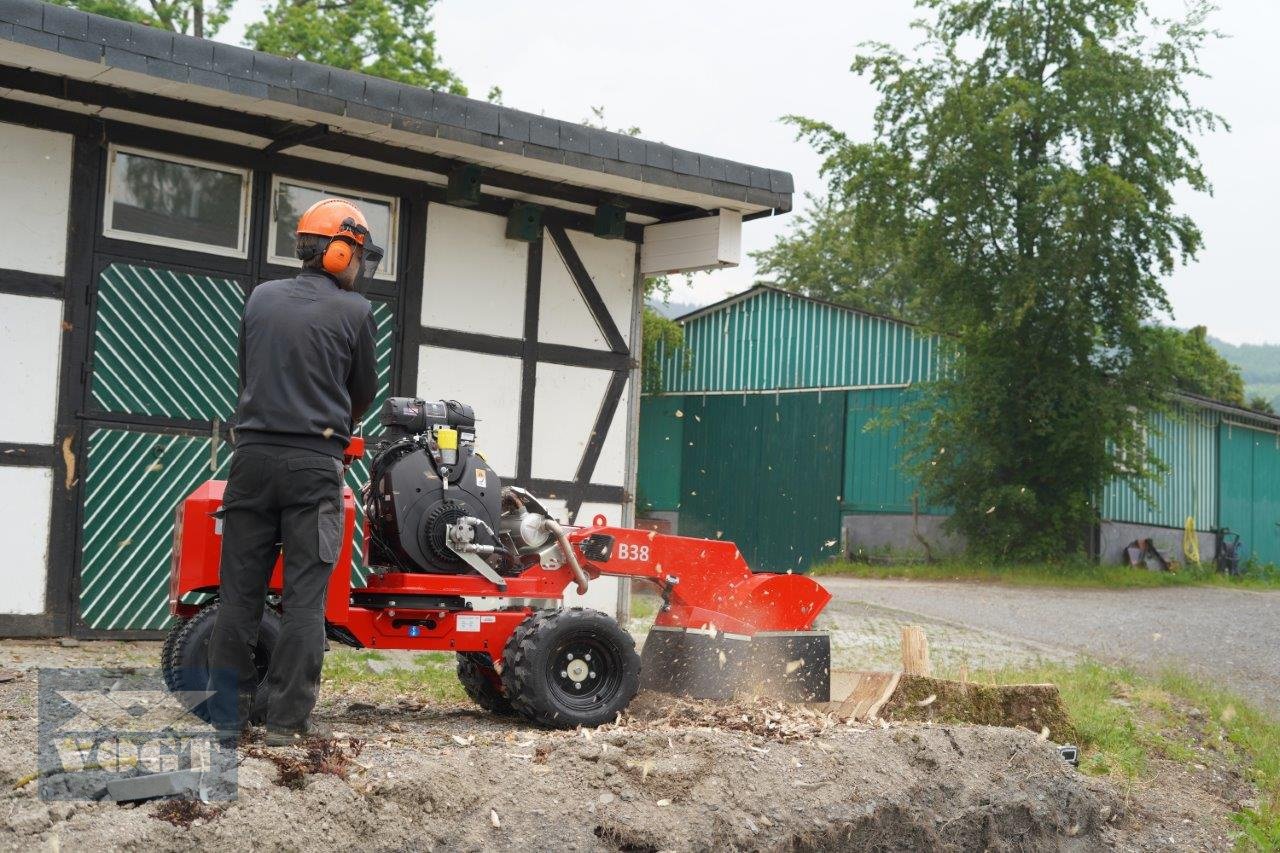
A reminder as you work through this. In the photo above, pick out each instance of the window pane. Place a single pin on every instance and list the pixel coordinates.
(292, 200)
(176, 201)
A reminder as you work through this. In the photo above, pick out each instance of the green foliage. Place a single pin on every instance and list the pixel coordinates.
(385, 38)
(1196, 366)
(190, 17)
(1260, 368)
(1260, 403)
(659, 334)
(1023, 168)
(823, 255)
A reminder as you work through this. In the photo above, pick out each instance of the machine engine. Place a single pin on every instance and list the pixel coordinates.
(434, 505)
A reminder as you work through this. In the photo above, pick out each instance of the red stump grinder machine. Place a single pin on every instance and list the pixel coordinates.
(461, 563)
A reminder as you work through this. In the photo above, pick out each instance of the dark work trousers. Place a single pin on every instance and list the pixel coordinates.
(275, 496)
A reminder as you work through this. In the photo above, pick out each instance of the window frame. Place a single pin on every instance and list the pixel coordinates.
(391, 245)
(241, 251)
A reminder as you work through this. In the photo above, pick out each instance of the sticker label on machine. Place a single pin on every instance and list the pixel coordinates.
(471, 624)
(481, 476)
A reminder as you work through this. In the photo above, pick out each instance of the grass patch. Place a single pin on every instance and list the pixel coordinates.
(1124, 720)
(422, 677)
(1063, 574)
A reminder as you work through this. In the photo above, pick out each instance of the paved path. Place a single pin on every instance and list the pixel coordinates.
(1230, 636)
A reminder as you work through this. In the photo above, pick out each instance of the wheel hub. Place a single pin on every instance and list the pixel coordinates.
(578, 670)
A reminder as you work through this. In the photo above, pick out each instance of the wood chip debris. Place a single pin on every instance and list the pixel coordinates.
(766, 718)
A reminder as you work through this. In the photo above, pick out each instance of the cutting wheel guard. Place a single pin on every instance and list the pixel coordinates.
(706, 585)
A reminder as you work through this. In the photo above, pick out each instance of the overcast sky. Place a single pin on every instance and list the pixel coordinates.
(716, 77)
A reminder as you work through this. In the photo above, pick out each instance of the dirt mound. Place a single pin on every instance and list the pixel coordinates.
(673, 775)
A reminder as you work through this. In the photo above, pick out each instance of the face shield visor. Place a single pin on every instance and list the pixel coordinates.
(371, 254)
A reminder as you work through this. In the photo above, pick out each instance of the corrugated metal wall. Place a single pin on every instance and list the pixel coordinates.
(765, 473)
(773, 340)
(873, 478)
(1185, 439)
(661, 442)
(1249, 488)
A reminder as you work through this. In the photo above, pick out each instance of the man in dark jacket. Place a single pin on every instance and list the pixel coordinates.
(307, 373)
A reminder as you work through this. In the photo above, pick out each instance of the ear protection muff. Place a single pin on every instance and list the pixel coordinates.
(337, 256)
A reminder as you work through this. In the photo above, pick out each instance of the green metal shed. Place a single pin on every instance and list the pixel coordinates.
(770, 431)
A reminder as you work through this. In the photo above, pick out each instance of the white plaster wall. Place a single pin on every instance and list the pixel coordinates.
(612, 265)
(25, 498)
(474, 277)
(488, 383)
(611, 467)
(30, 341)
(563, 316)
(568, 399)
(35, 182)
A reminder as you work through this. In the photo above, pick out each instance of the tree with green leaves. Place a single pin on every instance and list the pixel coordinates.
(385, 38)
(824, 255)
(1196, 367)
(189, 17)
(1023, 166)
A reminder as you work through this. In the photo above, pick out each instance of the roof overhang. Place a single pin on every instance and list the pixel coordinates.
(59, 56)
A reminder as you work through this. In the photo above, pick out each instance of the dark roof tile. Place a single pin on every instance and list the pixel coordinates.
(449, 110)
(513, 124)
(573, 137)
(25, 13)
(684, 162)
(657, 155)
(713, 168)
(248, 88)
(232, 61)
(197, 53)
(364, 112)
(483, 117)
(63, 21)
(323, 103)
(209, 79)
(86, 50)
(310, 77)
(152, 42)
(382, 94)
(416, 103)
(168, 70)
(346, 84)
(632, 150)
(108, 31)
(125, 60)
(544, 131)
(35, 38)
(272, 70)
(603, 144)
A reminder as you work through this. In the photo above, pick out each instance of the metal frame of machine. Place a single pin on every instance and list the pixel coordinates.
(721, 630)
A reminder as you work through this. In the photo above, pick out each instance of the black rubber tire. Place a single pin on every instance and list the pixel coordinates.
(475, 671)
(185, 661)
(538, 687)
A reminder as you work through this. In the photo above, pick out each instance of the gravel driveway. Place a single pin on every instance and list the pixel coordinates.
(1229, 636)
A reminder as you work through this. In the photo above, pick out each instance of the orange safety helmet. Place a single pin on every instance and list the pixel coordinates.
(345, 227)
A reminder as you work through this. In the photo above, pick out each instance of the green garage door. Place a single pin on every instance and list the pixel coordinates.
(358, 476)
(1249, 489)
(164, 346)
(764, 471)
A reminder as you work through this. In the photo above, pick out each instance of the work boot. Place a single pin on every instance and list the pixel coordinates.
(312, 728)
